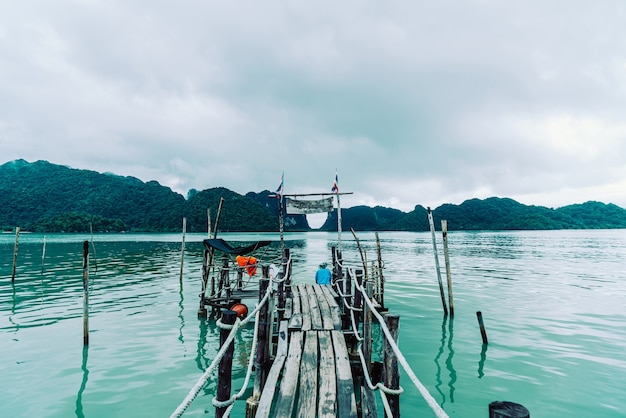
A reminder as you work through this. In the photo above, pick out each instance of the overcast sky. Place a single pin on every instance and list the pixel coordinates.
(411, 102)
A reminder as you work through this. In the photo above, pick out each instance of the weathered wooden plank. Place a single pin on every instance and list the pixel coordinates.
(267, 396)
(304, 306)
(327, 317)
(335, 309)
(296, 315)
(316, 315)
(288, 308)
(307, 392)
(328, 380)
(346, 402)
(289, 384)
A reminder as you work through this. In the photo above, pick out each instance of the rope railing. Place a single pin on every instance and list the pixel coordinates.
(193, 393)
(432, 403)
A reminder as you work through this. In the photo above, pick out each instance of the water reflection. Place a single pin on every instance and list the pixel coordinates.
(83, 383)
(481, 363)
(201, 358)
(446, 342)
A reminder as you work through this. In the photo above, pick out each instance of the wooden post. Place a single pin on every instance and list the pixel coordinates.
(17, 236)
(287, 271)
(483, 333)
(349, 293)
(391, 375)
(224, 381)
(432, 232)
(182, 250)
(358, 297)
(263, 349)
(507, 410)
(444, 231)
(381, 278)
(85, 293)
(43, 254)
(202, 311)
(367, 330)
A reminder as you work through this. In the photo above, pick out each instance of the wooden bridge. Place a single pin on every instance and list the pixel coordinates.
(312, 349)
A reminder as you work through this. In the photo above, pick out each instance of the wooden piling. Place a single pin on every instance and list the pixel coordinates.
(381, 278)
(358, 299)
(43, 254)
(506, 409)
(367, 329)
(225, 367)
(432, 232)
(287, 264)
(391, 375)
(17, 236)
(261, 361)
(85, 293)
(483, 333)
(202, 311)
(444, 232)
(182, 250)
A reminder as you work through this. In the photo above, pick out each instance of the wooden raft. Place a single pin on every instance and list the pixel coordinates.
(310, 375)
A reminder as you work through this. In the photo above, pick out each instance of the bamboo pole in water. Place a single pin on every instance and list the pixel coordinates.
(444, 231)
(182, 250)
(17, 236)
(432, 232)
(43, 254)
(86, 293)
(483, 333)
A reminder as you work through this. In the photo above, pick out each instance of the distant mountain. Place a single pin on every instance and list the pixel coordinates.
(45, 197)
(489, 214)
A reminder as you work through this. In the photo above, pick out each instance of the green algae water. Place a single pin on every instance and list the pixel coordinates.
(553, 303)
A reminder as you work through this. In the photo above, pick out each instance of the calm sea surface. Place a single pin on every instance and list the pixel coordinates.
(553, 303)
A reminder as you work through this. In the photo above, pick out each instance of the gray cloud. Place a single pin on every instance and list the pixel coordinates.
(412, 103)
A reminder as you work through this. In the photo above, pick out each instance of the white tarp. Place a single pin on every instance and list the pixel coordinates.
(302, 207)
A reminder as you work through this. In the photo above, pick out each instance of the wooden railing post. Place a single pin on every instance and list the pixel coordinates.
(261, 361)
(391, 375)
(224, 380)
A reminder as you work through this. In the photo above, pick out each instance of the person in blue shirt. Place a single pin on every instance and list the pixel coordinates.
(323, 275)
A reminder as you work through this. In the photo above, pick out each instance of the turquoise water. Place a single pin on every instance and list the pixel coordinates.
(553, 303)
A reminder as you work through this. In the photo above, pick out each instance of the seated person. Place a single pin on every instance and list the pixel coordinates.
(323, 275)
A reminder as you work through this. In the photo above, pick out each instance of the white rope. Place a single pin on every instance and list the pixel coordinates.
(193, 393)
(230, 402)
(432, 403)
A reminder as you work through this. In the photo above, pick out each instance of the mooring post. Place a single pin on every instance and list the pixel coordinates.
(17, 236)
(182, 250)
(391, 375)
(506, 409)
(263, 344)
(202, 311)
(444, 232)
(483, 333)
(225, 368)
(43, 254)
(431, 223)
(282, 292)
(367, 329)
(381, 277)
(287, 272)
(346, 323)
(86, 293)
(358, 298)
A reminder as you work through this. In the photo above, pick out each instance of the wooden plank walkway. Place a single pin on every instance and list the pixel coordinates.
(310, 375)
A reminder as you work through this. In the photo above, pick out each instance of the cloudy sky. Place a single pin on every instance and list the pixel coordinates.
(411, 102)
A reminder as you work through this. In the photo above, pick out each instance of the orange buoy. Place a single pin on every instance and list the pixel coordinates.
(241, 309)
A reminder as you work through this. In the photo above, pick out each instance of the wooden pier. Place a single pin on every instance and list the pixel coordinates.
(310, 360)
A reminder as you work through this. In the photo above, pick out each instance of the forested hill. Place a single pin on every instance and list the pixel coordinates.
(44, 197)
